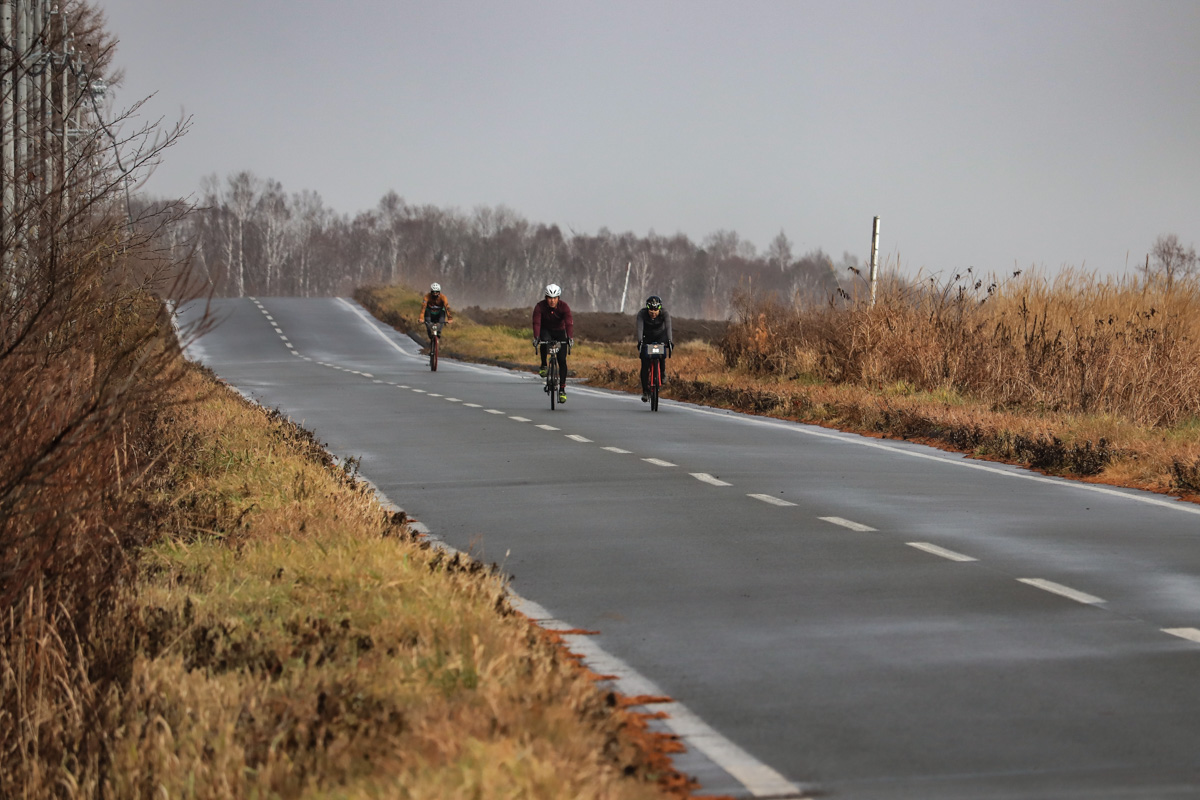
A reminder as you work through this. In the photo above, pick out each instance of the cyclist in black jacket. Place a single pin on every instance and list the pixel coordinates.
(653, 326)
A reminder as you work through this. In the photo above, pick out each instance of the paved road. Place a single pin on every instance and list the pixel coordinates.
(857, 618)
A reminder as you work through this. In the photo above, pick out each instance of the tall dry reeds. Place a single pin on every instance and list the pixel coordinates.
(1072, 343)
(86, 351)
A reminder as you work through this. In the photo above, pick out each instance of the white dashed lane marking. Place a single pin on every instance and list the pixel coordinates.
(845, 523)
(493, 411)
(766, 498)
(616, 450)
(1064, 591)
(940, 551)
(549, 428)
(578, 438)
(520, 419)
(658, 462)
(1191, 634)
(704, 477)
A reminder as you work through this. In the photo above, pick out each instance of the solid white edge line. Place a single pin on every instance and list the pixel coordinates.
(940, 551)
(1191, 634)
(1063, 591)
(845, 523)
(759, 779)
(806, 429)
(766, 498)
(709, 479)
(862, 441)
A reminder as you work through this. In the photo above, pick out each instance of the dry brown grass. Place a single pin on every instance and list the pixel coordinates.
(1073, 375)
(301, 642)
(286, 637)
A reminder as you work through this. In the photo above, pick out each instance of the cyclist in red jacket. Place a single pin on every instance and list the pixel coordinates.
(552, 321)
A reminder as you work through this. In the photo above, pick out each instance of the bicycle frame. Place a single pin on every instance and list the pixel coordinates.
(435, 336)
(657, 353)
(552, 377)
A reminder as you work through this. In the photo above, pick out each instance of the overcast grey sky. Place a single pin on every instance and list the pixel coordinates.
(987, 134)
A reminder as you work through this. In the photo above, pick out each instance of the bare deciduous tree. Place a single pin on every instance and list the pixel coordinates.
(1170, 260)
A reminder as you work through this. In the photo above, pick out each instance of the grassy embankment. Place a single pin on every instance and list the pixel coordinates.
(284, 636)
(1097, 379)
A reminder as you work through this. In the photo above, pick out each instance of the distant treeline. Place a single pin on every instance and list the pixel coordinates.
(249, 236)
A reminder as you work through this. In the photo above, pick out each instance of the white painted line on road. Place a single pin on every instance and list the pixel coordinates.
(758, 779)
(288, 345)
(845, 523)
(402, 386)
(472, 405)
(435, 394)
(549, 428)
(521, 419)
(617, 450)
(1064, 591)
(377, 381)
(371, 323)
(1191, 634)
(281, 336)
(709, 479)
(658, 462)
(493, 411)
(453, 400)
(420, 391)
(577, 437)
(952, 461)
(766, 498)
(366, 375)
(940, 551)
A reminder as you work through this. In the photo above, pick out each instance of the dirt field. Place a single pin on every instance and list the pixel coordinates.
(601, 326)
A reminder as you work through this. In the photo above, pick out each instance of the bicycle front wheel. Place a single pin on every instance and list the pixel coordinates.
(552, 382)
(433, 353)
(655, 382)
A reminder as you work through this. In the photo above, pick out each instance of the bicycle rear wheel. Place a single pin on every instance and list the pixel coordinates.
(433, 353)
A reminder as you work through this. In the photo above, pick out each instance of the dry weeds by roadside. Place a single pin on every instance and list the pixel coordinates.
(284, 636)
(298, 641)
(1089, 379)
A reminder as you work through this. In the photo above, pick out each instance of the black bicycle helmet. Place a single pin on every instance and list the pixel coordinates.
(654, 303)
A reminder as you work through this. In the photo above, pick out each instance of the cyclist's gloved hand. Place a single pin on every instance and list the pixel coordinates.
(570, 342)
(535, 341)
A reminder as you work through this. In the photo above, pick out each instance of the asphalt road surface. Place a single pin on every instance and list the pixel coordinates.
(835, 616)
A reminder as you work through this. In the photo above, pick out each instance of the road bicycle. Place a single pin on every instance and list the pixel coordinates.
(657, 352)
(552, 377)
(435, 337)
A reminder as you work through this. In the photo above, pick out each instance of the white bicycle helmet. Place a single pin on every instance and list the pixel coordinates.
(553, 290)
(435, 287)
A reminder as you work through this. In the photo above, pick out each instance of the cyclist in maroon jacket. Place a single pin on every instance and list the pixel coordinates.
(552, 321)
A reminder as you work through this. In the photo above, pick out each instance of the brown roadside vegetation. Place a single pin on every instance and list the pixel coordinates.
(1090, 378)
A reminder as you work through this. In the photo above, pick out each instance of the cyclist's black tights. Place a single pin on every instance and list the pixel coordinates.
(562, 355)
